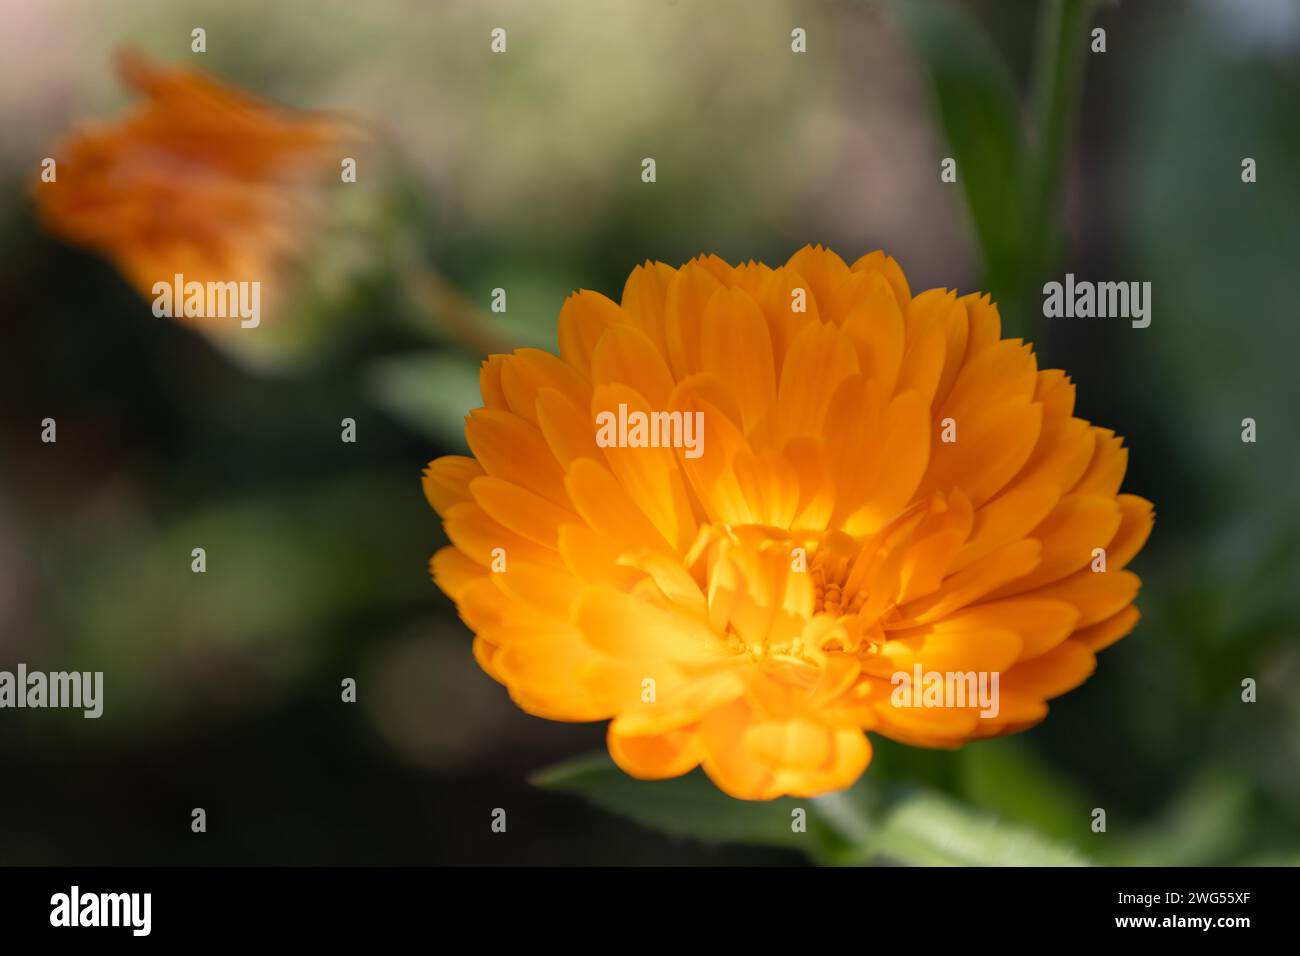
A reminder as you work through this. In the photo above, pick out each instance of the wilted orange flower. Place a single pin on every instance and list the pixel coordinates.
(200, 180)
(884, 483)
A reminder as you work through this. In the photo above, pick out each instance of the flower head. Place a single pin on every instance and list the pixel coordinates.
(884, 487)
(200, 180)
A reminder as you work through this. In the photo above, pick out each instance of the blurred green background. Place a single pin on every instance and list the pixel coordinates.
(522, 172)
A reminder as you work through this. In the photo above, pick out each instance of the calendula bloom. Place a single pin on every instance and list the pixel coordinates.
(200, 180)
(884, 487)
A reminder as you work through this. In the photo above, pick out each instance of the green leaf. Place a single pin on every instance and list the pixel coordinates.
(978, 110)
(858, 825)
(431, 392)
(930, 830)
(1205, 822)
(690, 806)
(1006, 777)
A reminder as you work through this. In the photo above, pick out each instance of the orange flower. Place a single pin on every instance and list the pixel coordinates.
(200, 180)
(884, 484)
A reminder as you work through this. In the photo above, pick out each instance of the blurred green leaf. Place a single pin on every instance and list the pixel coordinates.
(931, 830)
(1224, 265)
(1205, 823)
(285, 571)
(856, 826)
(689, 806)
(1007, 777)
(978, 110)
(430, 392)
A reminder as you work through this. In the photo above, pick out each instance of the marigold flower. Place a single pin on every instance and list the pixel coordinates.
(201, 180)
(747, 610)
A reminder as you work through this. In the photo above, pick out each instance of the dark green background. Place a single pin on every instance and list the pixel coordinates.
(522, 171)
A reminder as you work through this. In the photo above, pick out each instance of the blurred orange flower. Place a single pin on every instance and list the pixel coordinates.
(882, 486)
(201, 180)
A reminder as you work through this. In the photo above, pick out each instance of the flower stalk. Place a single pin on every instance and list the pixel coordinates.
(1057, 89)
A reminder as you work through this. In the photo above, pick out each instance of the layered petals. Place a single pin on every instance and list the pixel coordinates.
(750, 514)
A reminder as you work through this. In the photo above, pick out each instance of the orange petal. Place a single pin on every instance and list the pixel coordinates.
(446, 481)
(584, 318)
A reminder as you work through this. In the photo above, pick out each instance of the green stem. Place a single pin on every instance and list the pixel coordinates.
(1057, 85)
(442, 312)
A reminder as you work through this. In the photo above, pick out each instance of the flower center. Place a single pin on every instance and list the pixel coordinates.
(836, 593)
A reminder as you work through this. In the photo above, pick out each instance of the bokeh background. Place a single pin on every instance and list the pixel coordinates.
(522, 172)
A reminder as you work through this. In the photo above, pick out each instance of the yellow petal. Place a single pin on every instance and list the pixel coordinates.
(819, 359)
(1096, 595)
(688, 297)
(625, 356)
(520, 510)
(737, 351)
(645, 297)
(875, 326)
(826, 274)
(1103, 634)
(583, 320)
(1078, 526)
(624, 628)
(528, 371)
(509, 448)
(606, 507)
(888, 268)
(446, 481)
